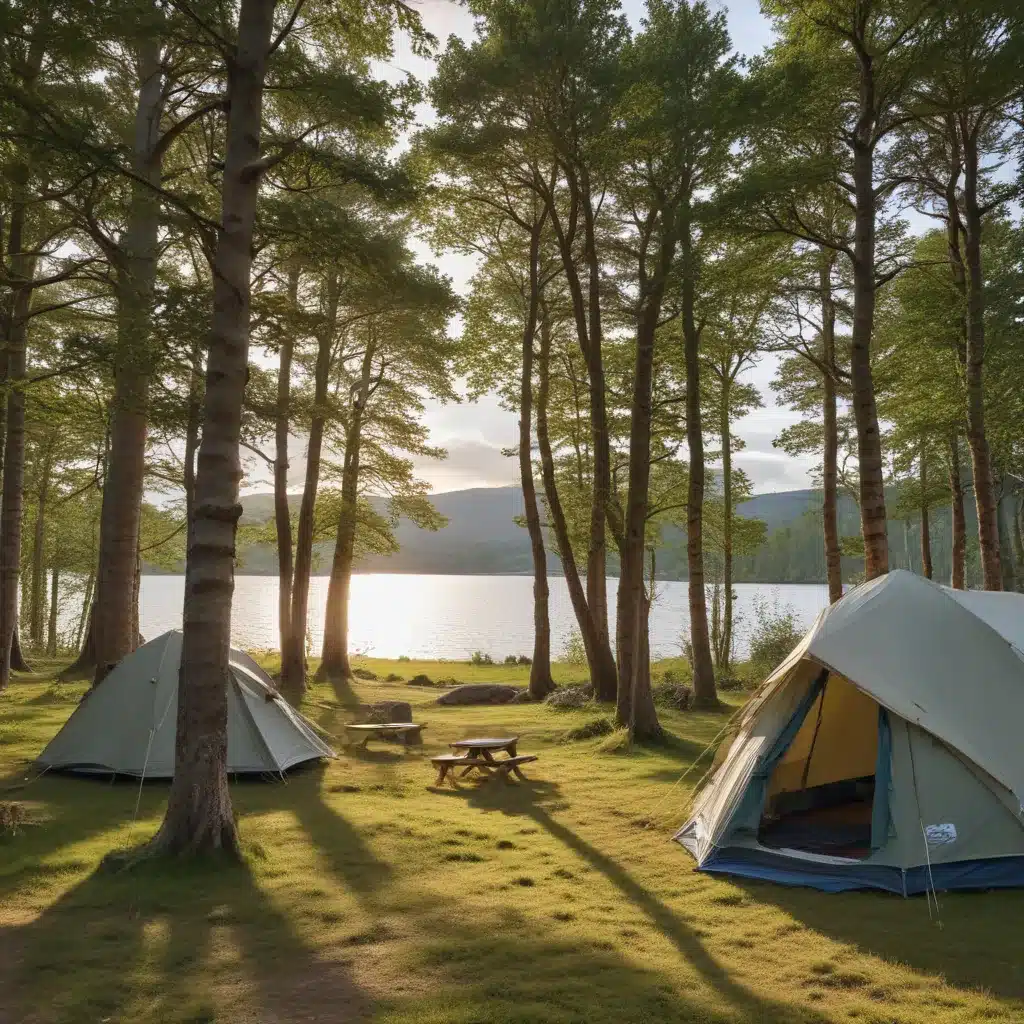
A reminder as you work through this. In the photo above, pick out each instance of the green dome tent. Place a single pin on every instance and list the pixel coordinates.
(127, 724)
(885, 752)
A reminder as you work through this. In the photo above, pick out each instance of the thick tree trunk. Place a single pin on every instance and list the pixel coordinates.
(12, 499)
(869, 444)
(598, 651)
(282, 511)
(589, 330)
(199, 817)
(704, 693)
(1018, 544)
(116, 595)
(541, 683)
(830, 438)
(977, 440)
(957, 517)
(635, 703)
(926, 538)
(51, 626)
(334, 663)
(293, 655)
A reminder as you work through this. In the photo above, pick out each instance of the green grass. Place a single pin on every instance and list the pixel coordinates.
(367, 896)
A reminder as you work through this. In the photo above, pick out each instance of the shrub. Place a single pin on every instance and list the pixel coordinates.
(524, 660)
(12, 817)
(567, 698)
(393, 677)
(728, 682)
(776, 632)
(404, 657)
(588, 730)
(480, 658)
(365, 673)
(574, 653)
(510, 659)
(673, 695)
(421, 680)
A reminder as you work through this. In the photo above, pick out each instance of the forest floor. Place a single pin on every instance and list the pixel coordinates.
(366, 895)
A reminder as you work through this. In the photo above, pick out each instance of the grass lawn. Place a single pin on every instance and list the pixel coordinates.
(367, 896)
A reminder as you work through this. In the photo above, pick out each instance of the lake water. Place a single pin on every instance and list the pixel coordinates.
(452, 616)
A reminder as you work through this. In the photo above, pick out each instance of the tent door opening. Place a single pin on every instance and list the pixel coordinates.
(821, 793)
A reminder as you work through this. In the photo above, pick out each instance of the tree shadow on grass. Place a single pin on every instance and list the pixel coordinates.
(527, 800)
(979, 945)
(171, 942)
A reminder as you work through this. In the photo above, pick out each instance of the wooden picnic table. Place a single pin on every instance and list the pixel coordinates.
(408, 732)
(479, 756)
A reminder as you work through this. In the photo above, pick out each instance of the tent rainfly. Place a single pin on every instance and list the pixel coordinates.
(127, 724)
(884, 753)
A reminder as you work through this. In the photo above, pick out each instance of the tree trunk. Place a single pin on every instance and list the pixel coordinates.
(12, 499)
(1004, 505)
(957, 517)
(869, 444)
(293, 656)
(37, 590)
(926, 539)
(587, 318)
(199, 817)
(192, 427)
(334, 663)
(725, 659)
(704, 693)
(635, 704)
(1018, 544)
(541, 683)
(51, 626)
(598, 651)
(116, 618)
(981, 463)
(282, 511)
(83, 667)
(830, 439)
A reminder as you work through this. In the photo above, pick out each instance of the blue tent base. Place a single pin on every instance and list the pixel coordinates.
(995, 873)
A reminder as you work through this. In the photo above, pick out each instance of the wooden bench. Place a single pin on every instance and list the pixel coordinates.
(407, 732)
(448, 763)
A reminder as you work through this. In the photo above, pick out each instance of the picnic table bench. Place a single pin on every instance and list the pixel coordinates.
(407, 732)
(478, 755)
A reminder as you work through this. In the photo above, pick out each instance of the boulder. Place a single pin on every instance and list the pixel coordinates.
(480, 693)
(386, 711)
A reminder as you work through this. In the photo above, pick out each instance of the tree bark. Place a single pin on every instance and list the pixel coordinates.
(293, 655)
(12, 499)
(115, 623)
(957, 517)
(541, 683)
(1018, 545)
(598, 652)
(977, 440)
(83, 667)
(727, 612)
(926, 539)
(334, 663)
(37, 589)
(282, 511)
(589, 332)
(51, 626)
(869, 445)
(199, 817)
(704, 693)
(830, 439)
(635, 704)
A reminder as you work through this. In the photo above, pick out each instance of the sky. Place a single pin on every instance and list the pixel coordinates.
(474, 433)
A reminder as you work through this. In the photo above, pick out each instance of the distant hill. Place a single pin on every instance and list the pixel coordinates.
(483, 538)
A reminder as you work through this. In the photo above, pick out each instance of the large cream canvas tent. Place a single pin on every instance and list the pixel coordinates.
(885, 752)
(127, 724)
